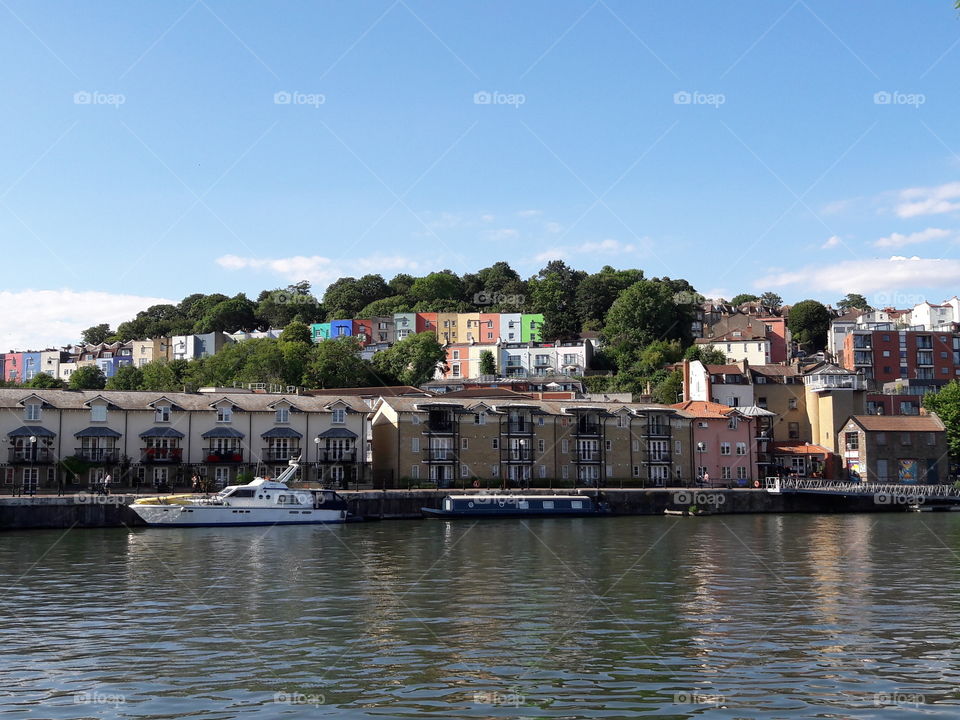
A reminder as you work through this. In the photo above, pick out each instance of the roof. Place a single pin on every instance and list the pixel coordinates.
(281, 432)
(97, 432)
(782, 370)
(337, 433)
(899, 423)
(724, 369)
(162, 432)
(486, 393)
(755, 411)
(799, 448)
(374, 391)
(28, 431)
(704, 409)
(550, 407)
(731, 338)
(222, 432)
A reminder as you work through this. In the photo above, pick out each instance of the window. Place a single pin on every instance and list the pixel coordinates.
(33, 411)
(495, 470)
(340, 415)
(724, 448)
(464, 471)
(479, 419)
(621, 421)
(543, 471)
(741, 448)
(762, 402)
(496, 443)
(636, 446)
(677, 446)
(881, 438)
(609, 471)
(541, 446)
(455, 370)
(793, 431)
(931, 438)
(540, 421)
(98, 413)
(415, 420)
(456, 354)
(415, 472)
(224, 414)
(906, 439)
(636, 471)
(464, 443)
(732, 423)
(415, 445)
(725, 473)
(565, 472)
(608, 445)
(741, 472)
(886, 353)
(852, 440)
(564, 446)
(283, 415)
(791, 403)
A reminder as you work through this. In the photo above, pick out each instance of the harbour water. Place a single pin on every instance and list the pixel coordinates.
(763, 616)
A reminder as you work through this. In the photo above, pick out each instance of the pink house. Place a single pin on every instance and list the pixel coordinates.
(723, 444)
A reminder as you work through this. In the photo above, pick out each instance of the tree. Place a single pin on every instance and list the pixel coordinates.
(853, 301)
(412, 361)
(488, 364)
(160, 375)
(707, 354)
(443, 285)
(128, 377)
(296, 332)
(347, 296)
(278, 308)
(771, 299)
(46, 382)
(236, 313)
(386, 306)
(946, 404)
(88, 377)
(597, 292)
(96, 334)
(670, 389)
(553, 292)
(645, 312)
(809, 322)
(337, 363)
(401, 283)
(740, 299)
(156, 321)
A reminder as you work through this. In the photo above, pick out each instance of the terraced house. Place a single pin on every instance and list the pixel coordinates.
(157, 439)
(514, 441)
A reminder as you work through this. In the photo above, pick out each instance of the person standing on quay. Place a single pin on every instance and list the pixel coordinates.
(106, 484)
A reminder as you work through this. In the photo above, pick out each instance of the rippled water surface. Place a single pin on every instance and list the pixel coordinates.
(728, 617)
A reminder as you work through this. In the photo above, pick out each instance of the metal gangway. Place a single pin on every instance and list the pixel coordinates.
(778, 486)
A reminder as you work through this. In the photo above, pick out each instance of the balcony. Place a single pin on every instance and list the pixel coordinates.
(586, 428)
(269, 455)
(31, 455)
(161, 455)
(440, 455)
(221, 456)
(658, 430)
(517, 455)
(819, 383)
(660, 457)
(582, 456)
(519, 428)
(98, 455)
(337, 456)
(542, 362)
(440, 427)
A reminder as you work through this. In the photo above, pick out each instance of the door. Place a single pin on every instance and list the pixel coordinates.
(221, 477)
(161, 477)
(31, 479)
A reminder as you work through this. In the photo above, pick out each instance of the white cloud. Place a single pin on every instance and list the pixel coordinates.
(40, 319)
(553, 227)
(831, 242)
(488, 218)
(501, 234)
(898, 240)
(603, 247)
(928, 200)
(319, 270)
(837, 206)
(863, 276)
(529, 213)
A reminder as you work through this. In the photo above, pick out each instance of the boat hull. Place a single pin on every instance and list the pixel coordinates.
(219, 515)
(498, 513)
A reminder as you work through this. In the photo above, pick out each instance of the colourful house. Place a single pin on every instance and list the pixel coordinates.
(3, 366)
(468, 327)
(510, 327)
(362, 331)
(320, 331)
(723, 444)
(30, 367)
(341, 328)
(531, 327)
(489, 328)
(405, 324)
(427, 322)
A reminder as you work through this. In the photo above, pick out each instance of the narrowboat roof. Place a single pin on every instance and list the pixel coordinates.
(495, 498)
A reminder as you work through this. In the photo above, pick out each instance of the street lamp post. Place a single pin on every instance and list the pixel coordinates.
(33, 463)
(316, 441)
(700, 448)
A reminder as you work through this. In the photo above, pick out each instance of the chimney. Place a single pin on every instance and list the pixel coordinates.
(686, 379)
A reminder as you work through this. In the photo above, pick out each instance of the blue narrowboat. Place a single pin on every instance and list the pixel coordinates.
(481, 505)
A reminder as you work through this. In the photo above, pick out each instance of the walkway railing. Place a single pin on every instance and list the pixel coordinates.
(779, 485)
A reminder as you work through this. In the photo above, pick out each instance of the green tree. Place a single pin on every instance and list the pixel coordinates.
(46, 382)
(96, 334)
(597, 292)
(670, 389)
(853, 301)
(347, 296)
(337, 363)
(296, 332)
(278, 308)
(386, 306)
(128, 377)
(771, 299)
(443, 285)
(707, 354)
(809, 322)
(236, 313)
(161, 376)
(156, 321)
(644, 313)
(553, 292)
(401, 284)
(740, 299)
(946, 404)
(488, 364)
(88, 377)
(412, 361)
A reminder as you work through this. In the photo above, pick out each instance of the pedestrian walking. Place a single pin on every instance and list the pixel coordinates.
(106, 484)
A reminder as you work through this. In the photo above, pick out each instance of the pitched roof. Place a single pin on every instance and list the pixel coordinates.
(899, 423)
(791, 447)
(704, 409)
(486, 393)
(724, 369)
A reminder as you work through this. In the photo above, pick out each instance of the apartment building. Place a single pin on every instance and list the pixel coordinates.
(515, 442)
(163, 439)
(193, 347)
(738, 345)
(725, 443)
(149, 350)
(895, 449)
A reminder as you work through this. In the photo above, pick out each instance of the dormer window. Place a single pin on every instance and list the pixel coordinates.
(33, 411)
(283, 415)
(339, 416)
(162, 414)
(225, 414)
(98, 413)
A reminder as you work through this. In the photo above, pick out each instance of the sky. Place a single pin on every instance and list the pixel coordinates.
(153, 150)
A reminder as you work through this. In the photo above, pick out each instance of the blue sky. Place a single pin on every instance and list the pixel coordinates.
(151, 150)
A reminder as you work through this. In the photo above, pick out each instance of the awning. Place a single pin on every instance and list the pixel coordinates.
(27, 431)
(222, 432)
(337, 433)
(103, 432)
(162, 432)
(282, 432)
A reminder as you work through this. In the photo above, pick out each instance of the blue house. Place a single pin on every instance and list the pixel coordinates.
(31, 366)
(320, 331)
(341, 328)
